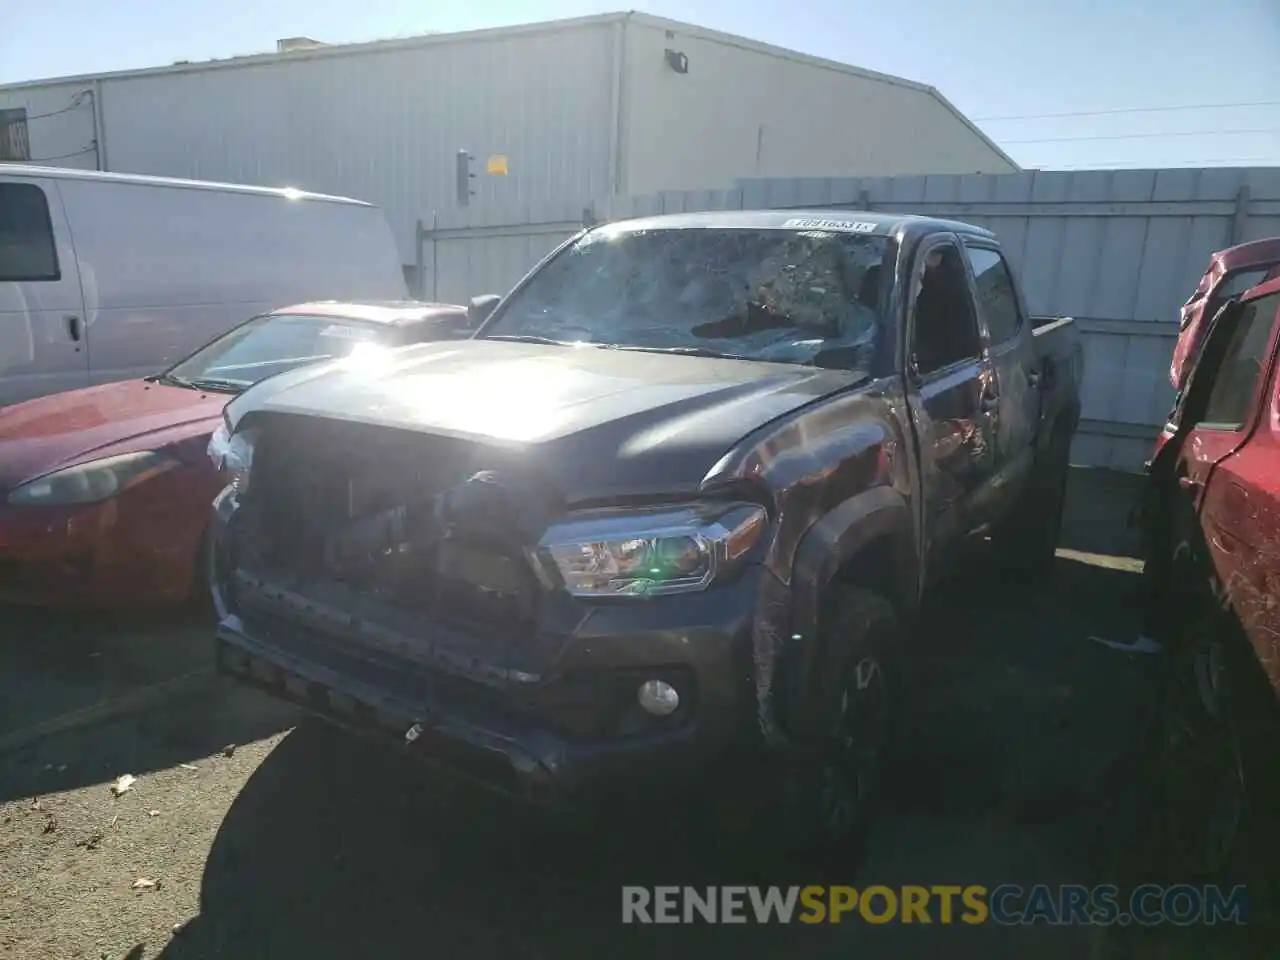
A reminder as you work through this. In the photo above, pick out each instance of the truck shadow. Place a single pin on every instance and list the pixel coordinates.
(188, 726)
(56, 662)
(1019, 755)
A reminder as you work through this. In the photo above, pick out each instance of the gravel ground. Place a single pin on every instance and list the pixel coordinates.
(1022, 763)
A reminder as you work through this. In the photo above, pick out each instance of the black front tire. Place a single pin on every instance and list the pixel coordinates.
(811, 806)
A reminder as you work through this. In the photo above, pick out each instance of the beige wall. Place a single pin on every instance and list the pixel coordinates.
(742, 112)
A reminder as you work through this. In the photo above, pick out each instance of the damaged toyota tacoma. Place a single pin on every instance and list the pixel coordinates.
(663, 519)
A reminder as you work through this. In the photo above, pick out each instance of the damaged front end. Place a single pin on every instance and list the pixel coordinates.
(438, 590)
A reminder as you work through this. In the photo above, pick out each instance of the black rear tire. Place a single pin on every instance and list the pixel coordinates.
(811, 806)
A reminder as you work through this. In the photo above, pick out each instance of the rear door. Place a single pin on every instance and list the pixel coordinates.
(952, 395)
(42, 331)
(1015, 367)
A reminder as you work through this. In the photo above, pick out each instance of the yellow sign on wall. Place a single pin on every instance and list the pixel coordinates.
(497, 166)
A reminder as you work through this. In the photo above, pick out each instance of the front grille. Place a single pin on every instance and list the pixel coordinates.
(318, 484)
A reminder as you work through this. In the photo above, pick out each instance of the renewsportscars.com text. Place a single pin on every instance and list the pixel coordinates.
(1008, 904)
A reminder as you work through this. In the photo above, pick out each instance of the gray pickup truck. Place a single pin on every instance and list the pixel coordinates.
(663, 515)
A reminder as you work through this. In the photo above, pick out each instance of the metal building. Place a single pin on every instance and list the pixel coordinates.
(615, 104)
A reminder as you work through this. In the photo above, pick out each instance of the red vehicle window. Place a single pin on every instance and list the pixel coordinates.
(1243, 360)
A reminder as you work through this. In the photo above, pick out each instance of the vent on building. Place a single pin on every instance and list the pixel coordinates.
(290, 44)
(14, 144)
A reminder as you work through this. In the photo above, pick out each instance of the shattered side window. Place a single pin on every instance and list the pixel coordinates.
(782, 295)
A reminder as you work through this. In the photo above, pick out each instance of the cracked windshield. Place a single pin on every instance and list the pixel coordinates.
(807, 297)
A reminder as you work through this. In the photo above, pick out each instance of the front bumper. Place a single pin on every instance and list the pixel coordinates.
(505, 730)
(529, 763)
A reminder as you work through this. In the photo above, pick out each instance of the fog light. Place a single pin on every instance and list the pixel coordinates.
(658, 697)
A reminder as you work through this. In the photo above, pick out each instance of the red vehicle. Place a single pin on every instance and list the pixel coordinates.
(1211, 520)
(105, 491)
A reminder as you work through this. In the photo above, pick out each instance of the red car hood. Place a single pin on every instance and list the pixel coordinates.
(51, 432)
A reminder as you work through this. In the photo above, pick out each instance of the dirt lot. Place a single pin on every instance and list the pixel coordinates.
(1022, 764)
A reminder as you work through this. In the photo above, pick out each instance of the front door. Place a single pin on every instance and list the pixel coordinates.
(953, 397)
(43, 341)
(1230, 461)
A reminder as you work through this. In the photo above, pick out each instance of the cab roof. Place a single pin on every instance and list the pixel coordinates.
(835, 219)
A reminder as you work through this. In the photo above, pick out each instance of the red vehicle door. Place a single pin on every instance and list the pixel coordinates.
(1230, 465)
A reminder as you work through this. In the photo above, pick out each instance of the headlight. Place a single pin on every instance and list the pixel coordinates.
(92, 481)
(610, 553)
(232, 454)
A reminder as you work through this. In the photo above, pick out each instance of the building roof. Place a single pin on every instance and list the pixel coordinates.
(501, 33)
(69, 173)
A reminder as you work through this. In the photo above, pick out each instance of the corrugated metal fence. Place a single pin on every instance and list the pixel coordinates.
(1117, 249)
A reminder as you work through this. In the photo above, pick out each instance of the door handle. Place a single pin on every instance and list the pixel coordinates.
(73, 328)
(1190, 483)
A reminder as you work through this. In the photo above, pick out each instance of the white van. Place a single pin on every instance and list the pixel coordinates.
(108, 276)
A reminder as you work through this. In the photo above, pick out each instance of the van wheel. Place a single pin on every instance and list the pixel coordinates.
(1027, 540)
(813, 806)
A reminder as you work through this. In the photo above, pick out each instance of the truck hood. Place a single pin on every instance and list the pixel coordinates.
(47, 433)
(598, 421)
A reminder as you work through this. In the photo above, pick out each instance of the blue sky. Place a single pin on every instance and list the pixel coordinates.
(995, 59)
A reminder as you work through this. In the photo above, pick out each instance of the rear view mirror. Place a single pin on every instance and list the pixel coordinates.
(479, 309)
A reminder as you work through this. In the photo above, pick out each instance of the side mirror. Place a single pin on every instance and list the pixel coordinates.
(480, 308)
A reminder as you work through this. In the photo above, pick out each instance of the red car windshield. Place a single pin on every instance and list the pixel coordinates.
(269, 345)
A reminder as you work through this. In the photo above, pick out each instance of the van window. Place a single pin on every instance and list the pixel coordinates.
(27, 250)
(996, 294)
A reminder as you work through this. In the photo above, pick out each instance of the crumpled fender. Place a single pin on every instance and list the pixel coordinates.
(880, 516)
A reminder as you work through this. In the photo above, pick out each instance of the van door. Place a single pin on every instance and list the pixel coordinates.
(43, 345)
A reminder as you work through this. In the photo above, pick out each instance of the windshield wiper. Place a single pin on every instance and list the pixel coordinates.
(681, 351)
(199, 383)
(526, 338)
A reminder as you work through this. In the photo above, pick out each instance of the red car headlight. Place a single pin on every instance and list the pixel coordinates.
(92, 482)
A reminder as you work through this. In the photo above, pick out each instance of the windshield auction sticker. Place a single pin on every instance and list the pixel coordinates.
(841, 226)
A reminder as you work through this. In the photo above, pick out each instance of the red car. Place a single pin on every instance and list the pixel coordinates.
(1211, 523)
(105, 492)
